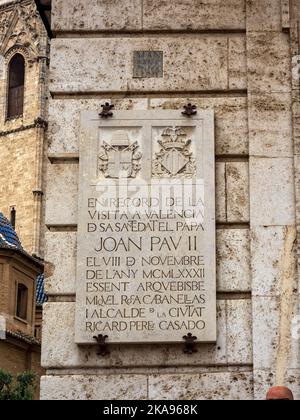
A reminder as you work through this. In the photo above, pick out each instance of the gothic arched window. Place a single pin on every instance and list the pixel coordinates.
(16, 80)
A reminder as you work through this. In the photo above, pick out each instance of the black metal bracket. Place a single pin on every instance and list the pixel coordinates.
(102, 345)
(106, 110)
(189, 347)
(189, 110)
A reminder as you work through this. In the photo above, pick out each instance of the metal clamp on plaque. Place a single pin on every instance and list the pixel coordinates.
(106, 110)
(102, 345)
(189, 110)
(190, 342)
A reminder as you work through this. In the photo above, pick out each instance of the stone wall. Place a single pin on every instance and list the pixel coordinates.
(22, 139)
(231, 56)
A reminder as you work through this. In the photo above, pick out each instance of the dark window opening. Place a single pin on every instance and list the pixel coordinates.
(13, 215)
(16, 82)
(22, 302)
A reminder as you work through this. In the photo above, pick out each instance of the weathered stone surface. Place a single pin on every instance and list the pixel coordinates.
(60, 350)
(78, 66)
(293, 382)
(107, 15)
(237, 63)
(268, 62)
(60, 266)
(237, 192)
(206, 386)
(266, 318)
(239, 332)
(231, 120)
(270, 125)
(272, 192)
(232, 192)
(64, 119)
(194, 14)
(221, 214)
(62, 191)
(233, 260)
(263, 381)
(2, 68)
(263, 15)
(272, 259)
(94, 387)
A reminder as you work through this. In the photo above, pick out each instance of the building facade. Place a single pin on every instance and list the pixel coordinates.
(24, 60)
(239, 58)
(20, 345)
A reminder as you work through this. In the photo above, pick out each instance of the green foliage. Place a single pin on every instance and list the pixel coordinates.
(21, 388)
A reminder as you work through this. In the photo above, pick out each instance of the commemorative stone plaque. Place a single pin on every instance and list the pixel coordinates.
(146, 268)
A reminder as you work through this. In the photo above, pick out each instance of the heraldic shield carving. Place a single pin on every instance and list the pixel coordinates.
(120, 159)
(175, 157)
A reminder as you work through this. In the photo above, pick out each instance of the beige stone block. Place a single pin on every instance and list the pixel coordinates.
(273, 259)
(239, 332)
(60, 265)
(64, 119)
(59, 349)
(62, 191)
(266, 319)
(206, 386)
(233, 260)
(293, 382)
(106, 15)
(231, 120)
(276, 348)
(272, 192)
(270, 125)
(220, 192)
(237, 62)
(263, 15)
(94, 387)
(263, 381)
(268, 62)
(193, 14)
(78, 65)
(237, 192)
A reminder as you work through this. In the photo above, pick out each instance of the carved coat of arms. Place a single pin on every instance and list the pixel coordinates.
(120, 158)
(175, 157)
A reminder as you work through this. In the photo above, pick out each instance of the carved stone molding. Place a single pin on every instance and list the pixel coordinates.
(120, 158)
(20, 29)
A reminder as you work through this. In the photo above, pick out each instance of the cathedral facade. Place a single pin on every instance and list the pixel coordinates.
(24, 59)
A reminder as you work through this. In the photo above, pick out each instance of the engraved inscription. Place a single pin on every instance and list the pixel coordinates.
(147, 64)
